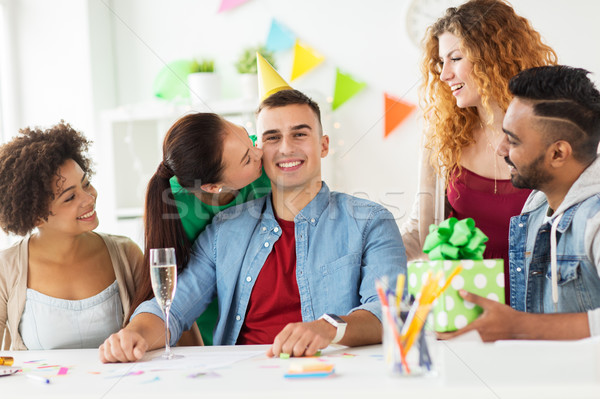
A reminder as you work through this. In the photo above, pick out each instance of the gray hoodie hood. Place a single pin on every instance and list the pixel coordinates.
(587, 185)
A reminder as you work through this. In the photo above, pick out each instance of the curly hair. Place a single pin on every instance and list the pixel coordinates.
(28, 167)
(499, 44)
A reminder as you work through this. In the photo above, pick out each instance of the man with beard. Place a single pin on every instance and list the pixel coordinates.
(552, 129)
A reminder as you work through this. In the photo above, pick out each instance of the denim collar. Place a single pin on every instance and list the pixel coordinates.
(310, 213)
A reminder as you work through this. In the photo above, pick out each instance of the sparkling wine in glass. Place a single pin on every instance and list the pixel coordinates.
(163, 274)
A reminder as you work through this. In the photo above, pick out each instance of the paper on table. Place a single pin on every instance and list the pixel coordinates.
(205, 360)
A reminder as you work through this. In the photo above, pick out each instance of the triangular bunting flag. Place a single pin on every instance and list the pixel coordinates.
(345, 88)
(396, 110)
(305, 59)
(269, 81)
(280, 37)
(229, 4)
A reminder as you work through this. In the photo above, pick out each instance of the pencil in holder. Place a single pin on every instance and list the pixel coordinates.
(417, 361)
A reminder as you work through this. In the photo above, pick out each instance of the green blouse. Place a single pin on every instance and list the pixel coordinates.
(196, 215)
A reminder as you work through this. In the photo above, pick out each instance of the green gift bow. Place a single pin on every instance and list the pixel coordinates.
(455, 239)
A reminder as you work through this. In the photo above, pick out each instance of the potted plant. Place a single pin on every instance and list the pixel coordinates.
(247, 69)
(203, 82)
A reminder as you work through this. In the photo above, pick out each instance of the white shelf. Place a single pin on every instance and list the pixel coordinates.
(156, 110)
(130, 145)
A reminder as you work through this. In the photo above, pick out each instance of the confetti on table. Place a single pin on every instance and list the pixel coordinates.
(204, 374)
(152, 380)
(62, 371)
(348, 355)
(284, 355)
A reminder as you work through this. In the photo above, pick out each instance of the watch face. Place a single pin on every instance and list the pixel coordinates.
(423, 13)
(337, 319)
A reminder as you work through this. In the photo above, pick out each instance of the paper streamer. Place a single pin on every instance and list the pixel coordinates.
(229, 4)
(305, 59)
(280, 37)
(396, 110)
(346, 87)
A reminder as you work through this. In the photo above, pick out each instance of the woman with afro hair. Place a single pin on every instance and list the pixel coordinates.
(62, 285)
(470, 54)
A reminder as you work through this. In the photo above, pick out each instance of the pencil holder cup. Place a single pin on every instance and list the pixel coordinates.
(417, 360)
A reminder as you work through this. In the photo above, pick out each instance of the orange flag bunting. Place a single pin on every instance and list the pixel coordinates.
(305, 59)
(396, 110)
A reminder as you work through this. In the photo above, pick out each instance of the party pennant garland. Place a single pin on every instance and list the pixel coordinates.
(280, 37)
(305, 59)
(396, 110)
(229, 4)
(346, 87)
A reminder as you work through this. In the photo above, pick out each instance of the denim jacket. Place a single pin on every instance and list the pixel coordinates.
(577, 221)
(343, 244)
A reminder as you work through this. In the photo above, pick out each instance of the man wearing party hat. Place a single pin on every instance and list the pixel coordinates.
(295, 269)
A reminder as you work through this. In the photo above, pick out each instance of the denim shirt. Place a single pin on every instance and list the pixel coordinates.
(577, 235)
(343, 244)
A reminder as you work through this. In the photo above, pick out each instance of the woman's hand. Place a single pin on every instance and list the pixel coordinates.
(123, 346)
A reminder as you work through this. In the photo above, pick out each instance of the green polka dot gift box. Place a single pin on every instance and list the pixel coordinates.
(450, 311)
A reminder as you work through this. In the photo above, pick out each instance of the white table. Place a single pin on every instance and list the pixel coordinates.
(362, 375)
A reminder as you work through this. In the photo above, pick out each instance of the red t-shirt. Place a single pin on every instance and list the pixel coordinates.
(275, 299)
(491, 203)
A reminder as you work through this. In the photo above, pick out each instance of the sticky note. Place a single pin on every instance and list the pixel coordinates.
(307, 375)
(311, 367)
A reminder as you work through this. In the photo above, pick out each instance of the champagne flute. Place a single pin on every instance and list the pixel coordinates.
(163, 274)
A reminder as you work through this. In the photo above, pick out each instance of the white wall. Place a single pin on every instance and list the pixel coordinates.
(53, 56)
(364, 38)
(77, 57)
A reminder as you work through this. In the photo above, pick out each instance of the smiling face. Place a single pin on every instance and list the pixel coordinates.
(73, 209)
(524, 148)
(293, 145)
(456, 71)
(241, 160)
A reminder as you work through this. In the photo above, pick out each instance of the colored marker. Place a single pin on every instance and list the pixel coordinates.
(38, 378)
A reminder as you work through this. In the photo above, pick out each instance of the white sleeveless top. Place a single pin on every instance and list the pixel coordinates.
(54, 323)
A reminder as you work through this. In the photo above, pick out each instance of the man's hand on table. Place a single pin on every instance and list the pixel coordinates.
(302, 339)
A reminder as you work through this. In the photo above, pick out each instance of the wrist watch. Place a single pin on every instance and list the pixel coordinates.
(338, 323)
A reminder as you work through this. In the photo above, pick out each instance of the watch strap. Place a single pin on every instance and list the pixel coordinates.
(339, 325)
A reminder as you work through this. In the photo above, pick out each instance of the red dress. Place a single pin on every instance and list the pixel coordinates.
(473, 196)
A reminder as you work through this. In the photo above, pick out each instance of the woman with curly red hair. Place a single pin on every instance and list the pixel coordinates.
(470, 54)
(63, 285)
